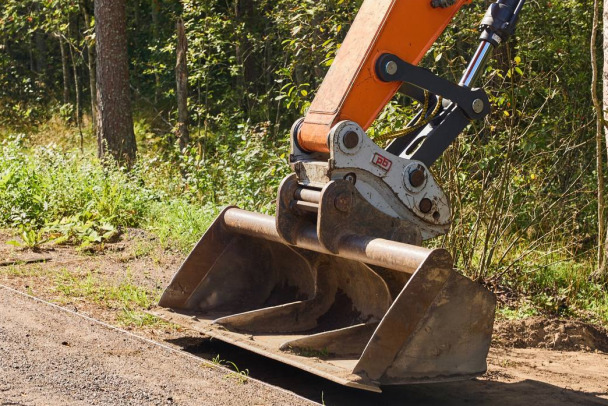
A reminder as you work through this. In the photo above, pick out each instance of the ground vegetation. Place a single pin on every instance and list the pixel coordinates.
(523, 184)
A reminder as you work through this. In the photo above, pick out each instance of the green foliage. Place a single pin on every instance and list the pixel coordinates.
(241, 376)
(522, 184)
(562, 288)
(565, 289)
(312, 36)
(31, 239)
(180, 224)
(30, 64)
(74, 229)
(66, 197)
(243, 167)
(60, 196)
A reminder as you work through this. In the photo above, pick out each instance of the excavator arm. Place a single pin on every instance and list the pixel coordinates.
(337, 283)
(366, 73)
(378, 57)
(352, 90)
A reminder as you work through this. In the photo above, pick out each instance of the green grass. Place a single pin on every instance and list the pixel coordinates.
(139, 319)
(50, 194)
(241, 376)
(180, 224)
(143, 249)
(561, 288)
(125, 296)
(47, 192)
(522, 311)
(19, 271)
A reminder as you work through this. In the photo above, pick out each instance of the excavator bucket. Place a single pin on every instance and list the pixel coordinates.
(337, 283)
(373, 312)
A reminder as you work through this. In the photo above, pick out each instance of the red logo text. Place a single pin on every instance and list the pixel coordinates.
(382, 162)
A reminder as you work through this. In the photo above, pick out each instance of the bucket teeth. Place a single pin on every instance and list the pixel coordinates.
(409, 318)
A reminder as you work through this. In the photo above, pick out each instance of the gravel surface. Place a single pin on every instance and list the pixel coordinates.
(49, 356)
(52, 357)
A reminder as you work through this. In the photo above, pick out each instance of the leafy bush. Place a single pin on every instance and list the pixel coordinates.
(241, 168)
(65, 196)
(59, 192)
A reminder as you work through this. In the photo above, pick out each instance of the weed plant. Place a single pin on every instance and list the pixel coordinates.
(45, 193)
(49, 193)
(52, 194)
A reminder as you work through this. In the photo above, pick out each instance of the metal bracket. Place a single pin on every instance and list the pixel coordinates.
(341, 212)
(474, 102)
(428, 143)
(400, 188)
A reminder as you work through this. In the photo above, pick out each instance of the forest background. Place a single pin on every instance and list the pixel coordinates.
(526, 185)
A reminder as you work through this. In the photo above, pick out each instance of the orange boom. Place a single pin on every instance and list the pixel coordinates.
(351, 90)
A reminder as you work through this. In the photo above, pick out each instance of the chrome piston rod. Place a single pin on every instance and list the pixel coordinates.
(373, 251)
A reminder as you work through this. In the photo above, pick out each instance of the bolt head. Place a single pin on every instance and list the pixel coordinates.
(350, 140)
(425, 205)
(343, 202)
(478, 106)
(417, 177)
(391, 67)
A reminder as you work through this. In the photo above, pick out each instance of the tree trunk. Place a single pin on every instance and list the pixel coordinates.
(599, 151)
(239, 47)
(77, 93)
(155, 35)
(181, 78)
(115, 136)
(41, 54)
(244, 13)
(604, 117)
(32, 60)
(41, 51)
(134, 68)
(90, 63)
(66, 74)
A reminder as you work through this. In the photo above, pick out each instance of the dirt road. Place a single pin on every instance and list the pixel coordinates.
(49, 356)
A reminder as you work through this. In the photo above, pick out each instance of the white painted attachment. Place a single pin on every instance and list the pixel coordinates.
(383, 179)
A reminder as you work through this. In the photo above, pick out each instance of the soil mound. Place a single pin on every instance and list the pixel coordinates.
(538, 332)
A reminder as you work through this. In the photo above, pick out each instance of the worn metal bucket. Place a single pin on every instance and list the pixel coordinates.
(375, 312)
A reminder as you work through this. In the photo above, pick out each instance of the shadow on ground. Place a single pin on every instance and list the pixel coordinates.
(474, 392)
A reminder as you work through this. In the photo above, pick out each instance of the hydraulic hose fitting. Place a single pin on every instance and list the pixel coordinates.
(500, 20)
